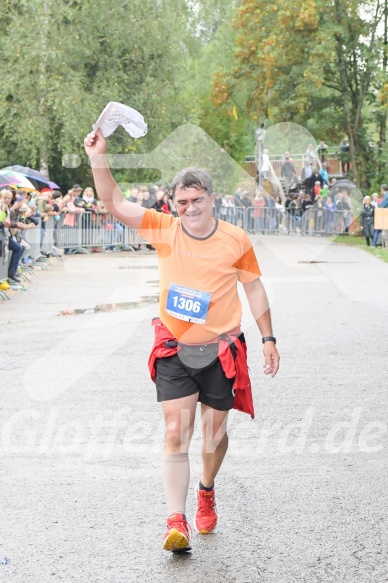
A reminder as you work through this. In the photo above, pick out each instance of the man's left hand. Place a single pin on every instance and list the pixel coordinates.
(271, 358)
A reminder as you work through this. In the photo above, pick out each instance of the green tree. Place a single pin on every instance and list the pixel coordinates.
(209, 48)
(62, 61)
(311, 61)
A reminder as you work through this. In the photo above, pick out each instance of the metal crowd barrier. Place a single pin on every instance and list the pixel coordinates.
(94, 231)
(33, 238)
(270, 220)
(49, 230)
(104, 232)
(107, 233)
(5, 256)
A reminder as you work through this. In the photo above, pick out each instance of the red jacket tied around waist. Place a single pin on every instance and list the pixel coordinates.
(234, 367)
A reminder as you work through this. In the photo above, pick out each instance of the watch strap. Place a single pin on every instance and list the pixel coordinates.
(268, 339)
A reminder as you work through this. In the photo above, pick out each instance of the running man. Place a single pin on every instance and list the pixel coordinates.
(199, 354)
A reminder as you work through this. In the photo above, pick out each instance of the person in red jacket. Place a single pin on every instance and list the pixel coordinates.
(166, 207)
(199, 354)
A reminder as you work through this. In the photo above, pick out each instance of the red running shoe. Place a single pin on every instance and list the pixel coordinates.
(177, 537)
(205, 518)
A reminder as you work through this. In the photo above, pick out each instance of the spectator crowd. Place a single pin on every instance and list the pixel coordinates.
(78, 209)
(313, 204)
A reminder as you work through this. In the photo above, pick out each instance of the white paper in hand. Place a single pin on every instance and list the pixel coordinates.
(116, 114)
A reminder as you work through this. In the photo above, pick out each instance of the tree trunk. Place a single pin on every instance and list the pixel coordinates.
(363, 157)
(350, 129)
(44, 31)
(384, 103)
(43, 163)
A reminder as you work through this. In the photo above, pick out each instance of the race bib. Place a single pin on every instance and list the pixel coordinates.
(190, 305)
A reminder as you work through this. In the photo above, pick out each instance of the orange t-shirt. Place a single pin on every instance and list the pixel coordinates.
(199, 274)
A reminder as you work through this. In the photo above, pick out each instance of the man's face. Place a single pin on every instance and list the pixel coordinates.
(194, 206)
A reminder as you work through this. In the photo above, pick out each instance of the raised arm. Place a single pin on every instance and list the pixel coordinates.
(109, 192)
(258, 303)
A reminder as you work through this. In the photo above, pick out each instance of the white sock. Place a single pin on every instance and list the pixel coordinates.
(176, 478)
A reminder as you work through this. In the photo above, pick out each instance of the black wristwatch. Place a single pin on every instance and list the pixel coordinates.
(268, 339)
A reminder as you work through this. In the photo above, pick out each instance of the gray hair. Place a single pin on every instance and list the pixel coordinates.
(198, 178)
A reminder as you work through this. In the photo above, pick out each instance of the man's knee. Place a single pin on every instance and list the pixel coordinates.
(14, 245)
(212, 443)
(177, 436)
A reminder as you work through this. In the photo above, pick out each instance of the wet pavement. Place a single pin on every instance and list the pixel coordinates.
(302, 494)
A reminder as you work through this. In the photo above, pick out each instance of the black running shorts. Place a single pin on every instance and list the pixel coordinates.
(194, 369)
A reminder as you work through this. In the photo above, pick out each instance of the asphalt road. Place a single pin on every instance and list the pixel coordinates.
(302, 495)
